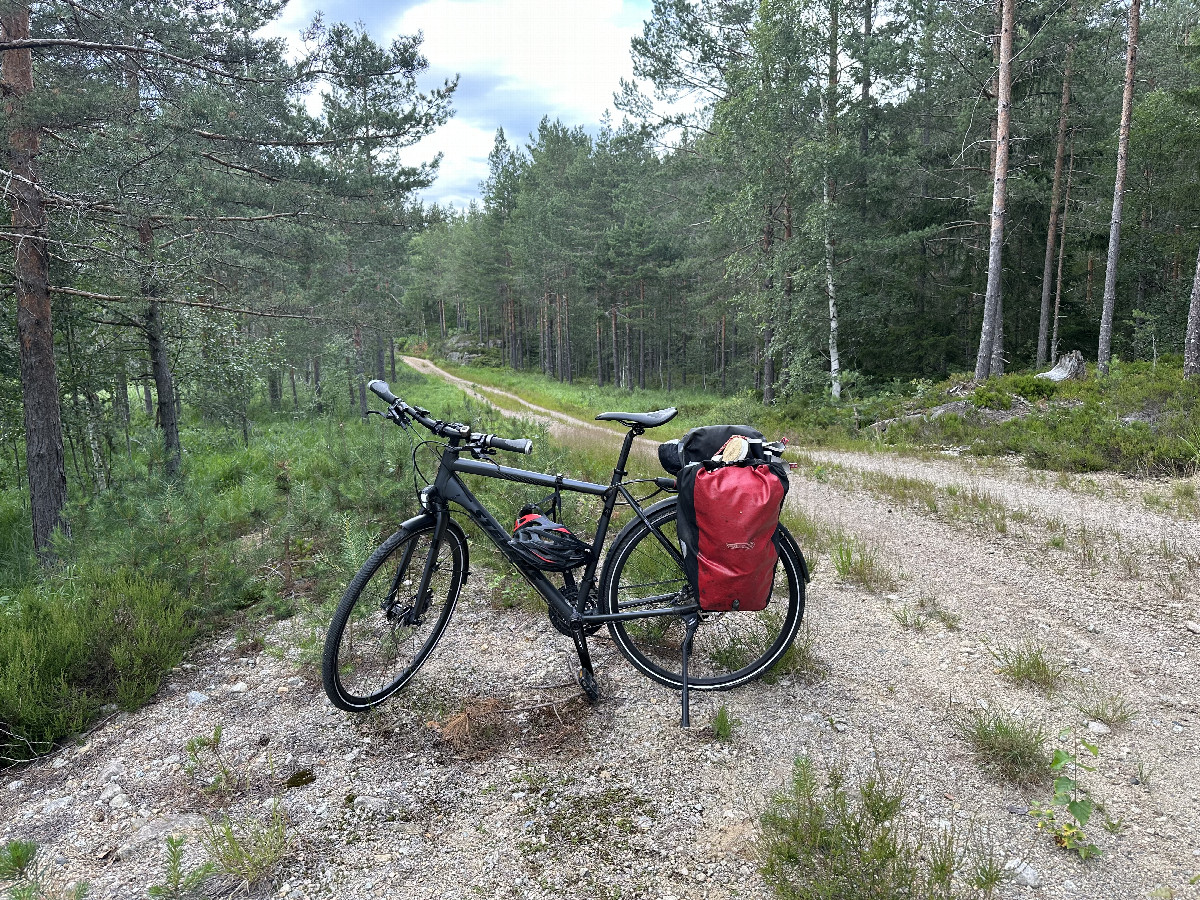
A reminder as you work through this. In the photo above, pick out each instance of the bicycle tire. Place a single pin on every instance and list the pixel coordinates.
(731, 648)
(369, 654)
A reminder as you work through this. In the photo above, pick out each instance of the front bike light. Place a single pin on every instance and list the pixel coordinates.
(423, 498)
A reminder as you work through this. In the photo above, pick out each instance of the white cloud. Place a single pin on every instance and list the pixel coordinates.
(561, 58)
(571, 52)
(464, 166)
(518, 60)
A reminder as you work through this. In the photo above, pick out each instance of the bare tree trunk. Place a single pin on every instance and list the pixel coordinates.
(723, 353)
(1191, 341)
(599, 357)
(1104, 354)
(160, 360)
(1052, 229)
(316, 365)
(392, 354)
(864, 135)
(1062, 247)
(616, 366)
(768, 367)
(835, 368)
(992, 299)
(164, 383)
(359, 376)
(45, 458)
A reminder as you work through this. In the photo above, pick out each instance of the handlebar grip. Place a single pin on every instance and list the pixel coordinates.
(381, 390)
(521, 445)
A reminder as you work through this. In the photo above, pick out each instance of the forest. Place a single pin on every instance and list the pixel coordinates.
(801, 199)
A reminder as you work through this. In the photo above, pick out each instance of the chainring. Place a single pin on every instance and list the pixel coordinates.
(563, 625)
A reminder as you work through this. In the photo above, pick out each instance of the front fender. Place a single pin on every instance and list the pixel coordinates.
(429, 520)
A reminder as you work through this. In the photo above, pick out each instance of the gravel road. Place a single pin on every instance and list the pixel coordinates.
(551, 798)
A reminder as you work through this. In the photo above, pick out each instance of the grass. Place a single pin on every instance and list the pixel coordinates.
(854, 840)
(723, 724)
(909, 618)
(247, 849)
(857, 562)
(1029, 664)
(1139, 419)
(801, 659)
(951, 621)
(249, 532)
(1111, 709)
(20, 866)
(1012, 748)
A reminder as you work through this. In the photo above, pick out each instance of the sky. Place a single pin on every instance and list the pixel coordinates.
(517, 60)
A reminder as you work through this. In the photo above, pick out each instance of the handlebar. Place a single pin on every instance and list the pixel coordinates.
(381, 390)
(399, 410)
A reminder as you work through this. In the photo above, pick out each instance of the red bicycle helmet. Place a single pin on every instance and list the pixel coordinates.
(547, 544)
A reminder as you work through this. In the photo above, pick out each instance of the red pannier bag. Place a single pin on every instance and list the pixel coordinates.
(728, 513)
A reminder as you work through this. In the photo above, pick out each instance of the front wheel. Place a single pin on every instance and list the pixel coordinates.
(730, 648)
(382, 630)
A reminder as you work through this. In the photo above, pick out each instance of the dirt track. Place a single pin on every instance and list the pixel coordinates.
(620, 799)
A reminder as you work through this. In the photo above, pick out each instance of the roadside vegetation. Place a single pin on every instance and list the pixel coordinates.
(270, 530)
(1142, 418)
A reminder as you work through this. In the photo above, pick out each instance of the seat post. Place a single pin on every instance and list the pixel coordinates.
(619, 473)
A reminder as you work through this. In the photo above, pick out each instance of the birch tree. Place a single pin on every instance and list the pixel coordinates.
(1104, 353)
(985, 363)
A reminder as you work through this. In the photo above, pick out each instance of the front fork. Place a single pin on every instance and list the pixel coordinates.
(412, 617)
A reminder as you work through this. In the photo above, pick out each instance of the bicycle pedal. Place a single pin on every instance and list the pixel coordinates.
(591, 690)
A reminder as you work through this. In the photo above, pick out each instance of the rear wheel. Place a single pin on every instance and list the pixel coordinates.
(378, 639)
(730, 648)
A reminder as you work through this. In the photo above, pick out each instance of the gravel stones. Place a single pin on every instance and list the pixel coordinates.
(1022, 874)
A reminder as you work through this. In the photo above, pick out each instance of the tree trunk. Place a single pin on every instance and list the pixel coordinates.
(864, 135)
(44, 454)
(358, 376)
(274, 389)
(1052, 229)
(992, 299)
(316, 366)
(835, 368)
(164, 382)
(1191, 341)
(616, 360)
(160, 359)
(599, 357)
(1104, 354)
(392, 355)
(768, 367)
(1062, 247)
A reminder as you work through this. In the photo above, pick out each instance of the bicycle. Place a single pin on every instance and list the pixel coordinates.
(397, 606)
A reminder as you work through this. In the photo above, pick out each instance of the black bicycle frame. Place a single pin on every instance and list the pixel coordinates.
(448, 487)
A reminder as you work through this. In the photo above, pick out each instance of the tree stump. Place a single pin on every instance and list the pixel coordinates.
(1069, 367)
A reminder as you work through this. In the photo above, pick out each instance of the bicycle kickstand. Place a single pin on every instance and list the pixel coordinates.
(587, 678)
(693, 622)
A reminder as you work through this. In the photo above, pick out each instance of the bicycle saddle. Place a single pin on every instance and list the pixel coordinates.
(646, 420)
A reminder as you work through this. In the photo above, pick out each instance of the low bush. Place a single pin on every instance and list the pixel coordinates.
(77, 643)
(859, 841)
